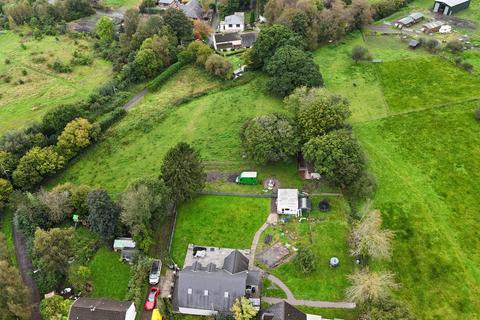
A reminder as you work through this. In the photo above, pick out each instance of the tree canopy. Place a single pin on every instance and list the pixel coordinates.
(103, 214)
(105, 30)
(54, 249)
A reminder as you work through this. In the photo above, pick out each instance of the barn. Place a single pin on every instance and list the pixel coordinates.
(449, 7)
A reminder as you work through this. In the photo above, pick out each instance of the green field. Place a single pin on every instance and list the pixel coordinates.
(43, 88)
(135, 147)
(228, 222)
(110, 276)
(327, 237)
(124, 4)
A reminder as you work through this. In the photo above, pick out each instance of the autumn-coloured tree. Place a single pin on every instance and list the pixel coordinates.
(201, 30)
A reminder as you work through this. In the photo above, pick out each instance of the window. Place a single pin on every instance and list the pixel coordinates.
(230, 25)
(225, 294)
(205, 293)
(238, 26)
(189, 291)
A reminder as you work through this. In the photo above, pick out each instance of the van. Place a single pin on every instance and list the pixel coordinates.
(154, 276)
(247, 177)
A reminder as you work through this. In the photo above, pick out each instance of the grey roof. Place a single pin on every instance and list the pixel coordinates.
(416, 15)
(434, 24)
(406, 20)
(102, 309)
(283, 311)
(452, 3)
(413, 43)
(248, 38)
(227, 37)
(192, 9)
(211, 288)
(235, 262)
(237, 18)
(166, 2)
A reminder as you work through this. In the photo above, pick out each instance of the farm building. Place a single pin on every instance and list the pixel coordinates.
(409, 20)
(94, 309)
(306, 169)
(433, 26)
(287, 202)
(449, 7)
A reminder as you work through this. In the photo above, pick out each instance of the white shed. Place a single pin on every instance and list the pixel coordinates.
(287, 202)
(123, 243)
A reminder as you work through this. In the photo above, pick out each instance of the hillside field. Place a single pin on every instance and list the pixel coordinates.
(25, 59)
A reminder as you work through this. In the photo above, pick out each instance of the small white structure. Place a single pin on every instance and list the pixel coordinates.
(233, 23)
(445, 29)
(287, 202)
(123, 243)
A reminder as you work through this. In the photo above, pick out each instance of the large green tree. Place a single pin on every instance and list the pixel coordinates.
(181, 25)
(269, 40)
(317, 111)
(103, 214)
(290, 68)
(8, 162)
(14, 295)
(6, 190)
(269, 138)
(55, 308)
(183, 172)
(337, 156)
(105, 30)
(78, 134)
(54, 249)
(55, 120)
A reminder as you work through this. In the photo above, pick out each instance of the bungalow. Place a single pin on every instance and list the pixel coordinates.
(94, 309)
(210, 289)
(448, 7)
(227, 41)
(409, 20)
(287, 202)
(233, 23)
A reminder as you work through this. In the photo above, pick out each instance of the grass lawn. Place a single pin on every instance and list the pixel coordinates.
(6, 227)
(228, 222)
(122, 3)
(43, 88)
(327, 236)
(135, 147)
(428, 173)
(109, 275)
(330, 313)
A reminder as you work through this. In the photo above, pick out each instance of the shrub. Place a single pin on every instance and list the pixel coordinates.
(455, 46)
(165, 75)
(219, 66)
(60, 67)
(137, 285)
(305, 260)
(81, 59)
(467, 66)
(432, 45)
(6, 190)
(24, 72)
(7, 61)
(112, 118)
(360, 53)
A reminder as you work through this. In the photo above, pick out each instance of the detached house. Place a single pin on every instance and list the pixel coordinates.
(233, 23)
(211, 289)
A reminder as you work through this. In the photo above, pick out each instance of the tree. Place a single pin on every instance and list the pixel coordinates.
(146, 64)
(201, 30)
(359, 53)
(317, 111)
(131, 19)
(16, 142)
(219, 66)
(477, 114)
(55, 120)
(77, 195)
(77, 135)
(105, 30)
(290, 68)
(183, 172)
(4, 253)
(30, 213)
(368, 286)
(76, 9)
(334, 22)
(35, 165)
(361, 13)
(243, 309)
(432, 45)
(146, 4)
(269, 138)
(455, 46)
(179, 23)
(6, 190)
(103, 214)
(336, 156)
(197, 52)
(58, 204)
(80, 277)
(8, 163)
(368, 239)
(55, 308)
(305, 260)
(142, 201)
(387, 309)
(14, 295)
(54, 249)
(269, 40)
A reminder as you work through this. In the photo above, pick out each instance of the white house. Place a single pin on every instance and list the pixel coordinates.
(287, 202)
(95, 309)
(233, 23)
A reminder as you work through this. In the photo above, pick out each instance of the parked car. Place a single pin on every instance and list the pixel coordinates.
(154, 276)
(151, 301)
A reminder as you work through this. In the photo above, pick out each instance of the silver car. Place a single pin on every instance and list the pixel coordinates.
(154, 276)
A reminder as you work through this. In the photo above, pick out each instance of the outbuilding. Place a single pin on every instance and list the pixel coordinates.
(409, 20)
(433, 26)
(123, 243)
(449, 7)
(287, 202)
(414, 44)
(95, 309)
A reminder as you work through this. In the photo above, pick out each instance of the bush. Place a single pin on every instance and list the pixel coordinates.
(305, 260)
(60, 67)
(360, 53)
(81, 59)
(155, 84)
(112, 118)
(432, 45)
(467, 66)
(455, 46)
(219, 66)
(137, 286)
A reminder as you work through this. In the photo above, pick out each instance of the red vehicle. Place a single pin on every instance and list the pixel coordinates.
(151, 301)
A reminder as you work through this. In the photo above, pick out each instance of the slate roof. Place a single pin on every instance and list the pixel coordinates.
(212, 288)
(283, 311)
(248, 38)
(235, 262)
(227, 37)
(102, 309)
(237, 18)
(192, 9)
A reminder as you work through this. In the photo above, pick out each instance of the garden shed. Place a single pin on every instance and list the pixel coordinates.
(287, 202)
(449, 7)
(123, 243)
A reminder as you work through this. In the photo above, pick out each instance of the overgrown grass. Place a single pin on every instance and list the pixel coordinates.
(428, 175)
(43, 89)
(135, 147)
(326, 235)
(228, 222)
(109, 275)
(6, 227)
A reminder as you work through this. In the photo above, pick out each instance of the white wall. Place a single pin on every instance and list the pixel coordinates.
(197, 312)
(131, 313)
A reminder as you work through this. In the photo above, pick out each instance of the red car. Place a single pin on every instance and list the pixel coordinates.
(151, 301)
